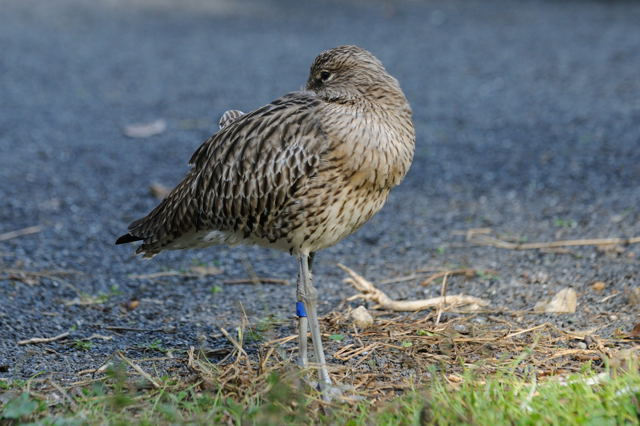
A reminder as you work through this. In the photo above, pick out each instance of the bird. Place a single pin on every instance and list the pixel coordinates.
(297, 175)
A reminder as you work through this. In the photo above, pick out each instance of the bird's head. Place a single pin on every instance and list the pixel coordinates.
(349, 74)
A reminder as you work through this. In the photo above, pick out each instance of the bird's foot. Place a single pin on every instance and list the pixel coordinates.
(333, 391)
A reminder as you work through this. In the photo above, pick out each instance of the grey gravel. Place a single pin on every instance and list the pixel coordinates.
(527, 119)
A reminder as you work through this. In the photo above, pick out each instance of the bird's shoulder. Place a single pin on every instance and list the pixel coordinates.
(260, 160)
(289, 124)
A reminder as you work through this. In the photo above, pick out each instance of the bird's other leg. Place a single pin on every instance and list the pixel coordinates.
(302, 317)
(311, 299)
(312, 256)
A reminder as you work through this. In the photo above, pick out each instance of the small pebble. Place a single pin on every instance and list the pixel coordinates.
(361, 317)
(460, 328)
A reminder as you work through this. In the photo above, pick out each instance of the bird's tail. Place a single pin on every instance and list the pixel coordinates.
(127, 238)
(169, 220)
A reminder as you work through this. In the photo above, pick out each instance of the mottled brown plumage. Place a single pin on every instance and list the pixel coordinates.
(298, 174)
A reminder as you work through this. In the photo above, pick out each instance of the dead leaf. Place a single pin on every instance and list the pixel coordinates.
(145, 130)
(132, 304)
(361, 317)
(159, 191)
(598, 285)
(564, 302)
(635, 332)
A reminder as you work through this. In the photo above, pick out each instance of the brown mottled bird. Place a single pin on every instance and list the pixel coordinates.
(299, 174)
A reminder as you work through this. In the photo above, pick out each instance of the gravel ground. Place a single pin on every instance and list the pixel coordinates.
(527, 122)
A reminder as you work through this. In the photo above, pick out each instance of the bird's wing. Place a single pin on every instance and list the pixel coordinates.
(243, 176)
(229, 117)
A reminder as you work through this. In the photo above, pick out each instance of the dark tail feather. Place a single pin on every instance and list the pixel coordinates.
(127, 238)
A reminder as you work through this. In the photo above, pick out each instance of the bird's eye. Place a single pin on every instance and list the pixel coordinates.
(324, 75)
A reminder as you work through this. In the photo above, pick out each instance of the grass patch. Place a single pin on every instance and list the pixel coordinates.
(82, 345)
(405, 370)
(503, 398)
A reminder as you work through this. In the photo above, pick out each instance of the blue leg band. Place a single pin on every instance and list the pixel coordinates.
(300, 310)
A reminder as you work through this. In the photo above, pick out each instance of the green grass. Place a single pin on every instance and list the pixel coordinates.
(564, 223)
(82, 345)
(501, 398)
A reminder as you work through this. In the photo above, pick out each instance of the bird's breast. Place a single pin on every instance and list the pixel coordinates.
(366, 157)
(373, 148)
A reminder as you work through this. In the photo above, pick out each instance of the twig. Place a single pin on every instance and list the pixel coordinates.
(611, 296)
(469, 233)
(263, 362)
(20, 232)
(32, 278)
(45, 273)
(190, 362)
(119, 328)
(163, 274)
(98, 336)
(282, 340)
(154, 275)
(139, 370)
(43, 339)
(495, 242)
(65, 395)
(348, 352)
(409, 277)
(369, 292)
(430, 270)
(235, 343)
(517, 333)
(443, 295)
(466, 272)
(257, 280)
(100, 369)
(572, 352)
(193, 272)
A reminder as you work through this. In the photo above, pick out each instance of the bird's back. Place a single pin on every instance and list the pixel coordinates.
(244, 181)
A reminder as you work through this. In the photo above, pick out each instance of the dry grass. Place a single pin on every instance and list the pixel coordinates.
(402, 351)
(397, 356)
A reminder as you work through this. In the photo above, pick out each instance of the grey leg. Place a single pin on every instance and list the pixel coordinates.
(302, 317)
(311, 299)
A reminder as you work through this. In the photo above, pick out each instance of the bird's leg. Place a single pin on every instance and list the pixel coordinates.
(302, 317)
(311, 299)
